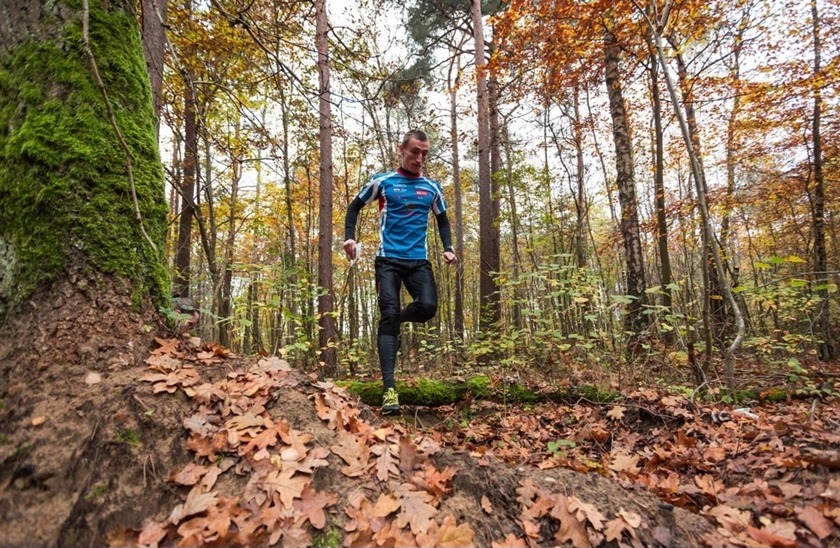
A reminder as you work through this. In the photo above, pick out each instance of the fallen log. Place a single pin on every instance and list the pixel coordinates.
(435, 393)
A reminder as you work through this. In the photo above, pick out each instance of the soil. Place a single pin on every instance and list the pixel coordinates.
(88, 448)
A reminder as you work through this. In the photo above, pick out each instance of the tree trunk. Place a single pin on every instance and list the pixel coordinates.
(659, 195)
(820, 256)
(459, 200)
(580, 194)
(153, 28)
(181, 283)
(326, 321)
(635, 321)
(81, 264)
(697, 172)
(489, 265)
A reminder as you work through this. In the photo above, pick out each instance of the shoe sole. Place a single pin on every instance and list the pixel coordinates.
(391, 411)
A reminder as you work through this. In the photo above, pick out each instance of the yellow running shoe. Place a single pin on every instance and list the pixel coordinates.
(390, 402)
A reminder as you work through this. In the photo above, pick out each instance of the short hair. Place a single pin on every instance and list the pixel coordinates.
(418, 134)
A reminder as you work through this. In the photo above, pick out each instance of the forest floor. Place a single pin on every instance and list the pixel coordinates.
(199, 447)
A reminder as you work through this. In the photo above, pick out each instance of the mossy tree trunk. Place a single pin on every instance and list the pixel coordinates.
(74, 259)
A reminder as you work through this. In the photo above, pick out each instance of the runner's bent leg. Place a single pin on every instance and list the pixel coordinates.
(388, 281)
(420, 283)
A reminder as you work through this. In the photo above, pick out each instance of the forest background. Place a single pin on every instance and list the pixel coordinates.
(620, 177)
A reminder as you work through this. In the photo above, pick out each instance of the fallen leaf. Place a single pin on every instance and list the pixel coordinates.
(816, 522)
(633, 519)
(416, 509)
(189, 475)
(289, 487)
(585, 510)
(486, 505)
(767, 538)
(93, 378)
(312, 504)
(385, 505)
(616, 413)
(510, 541)
(386, 464)
(167, 346)
(153, 532)
(625, 463)
(447, 535)
(196, 503)
(571, 528)
(38, 421)
(615, 529)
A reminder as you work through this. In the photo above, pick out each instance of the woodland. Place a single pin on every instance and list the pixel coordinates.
(637, 346)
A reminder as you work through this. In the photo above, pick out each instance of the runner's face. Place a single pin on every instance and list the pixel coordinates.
(414, 154)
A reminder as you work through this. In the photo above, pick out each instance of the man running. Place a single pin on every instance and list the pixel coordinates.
(405, 198)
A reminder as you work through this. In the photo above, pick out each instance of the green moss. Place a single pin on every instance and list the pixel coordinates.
(775, 395)
(520, 394)
(330, 538)
(479, 387)
(63, 175)
(129, 436)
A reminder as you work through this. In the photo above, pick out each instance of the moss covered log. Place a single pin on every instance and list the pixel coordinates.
(434, 393)
(64, 185)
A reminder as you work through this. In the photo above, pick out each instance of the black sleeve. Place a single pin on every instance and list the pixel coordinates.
(445, 230)
(350, 219)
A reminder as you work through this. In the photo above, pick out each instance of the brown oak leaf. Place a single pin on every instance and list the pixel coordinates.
(355, 452)
(386, 464)
(571, 528)
(416, 509)
(447, 535)
(189, 475)
(816, 522)
(287, 485)
(312, 504)
(510, 541)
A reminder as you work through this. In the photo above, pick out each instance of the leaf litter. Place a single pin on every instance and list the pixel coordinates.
(259, 478)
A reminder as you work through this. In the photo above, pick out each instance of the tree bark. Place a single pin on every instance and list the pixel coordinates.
(459, 200)
(665, 275)
(80, 284)
(635, 321)
(153, 28)
(489, 312)
(820, 256)
(326, 321)
(181, 282)
(54, 218)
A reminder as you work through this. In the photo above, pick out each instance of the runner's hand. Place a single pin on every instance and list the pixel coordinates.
(449, 257)
(350, 248)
